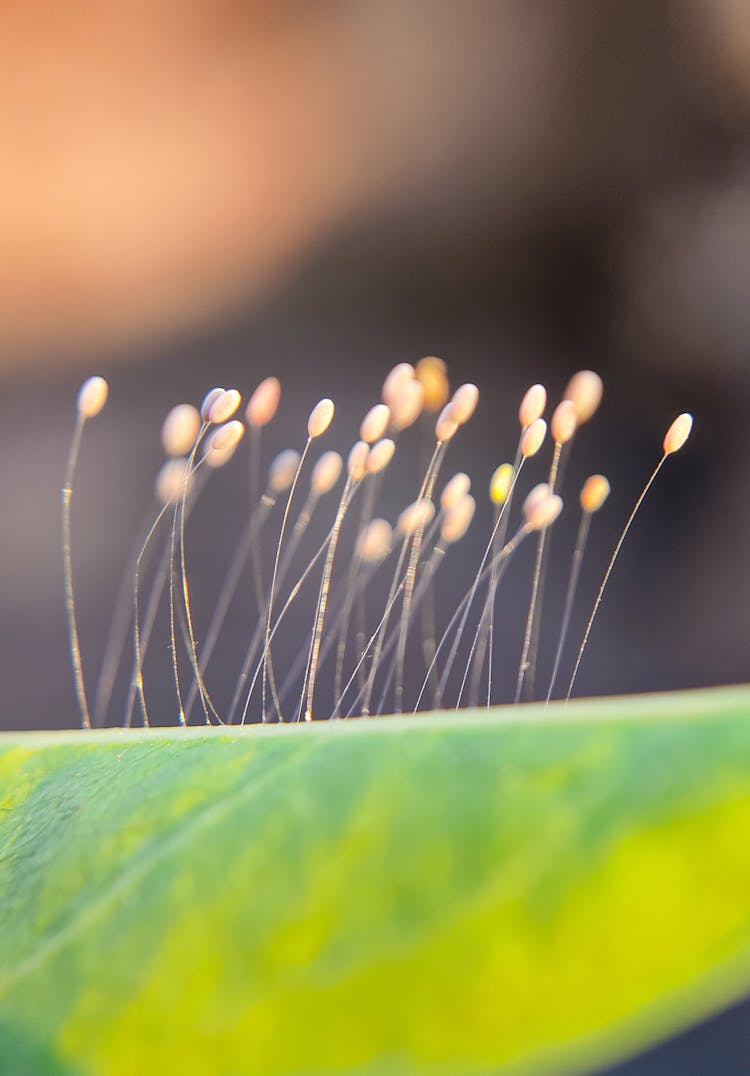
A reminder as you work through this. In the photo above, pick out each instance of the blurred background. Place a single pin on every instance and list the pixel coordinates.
(207, 192)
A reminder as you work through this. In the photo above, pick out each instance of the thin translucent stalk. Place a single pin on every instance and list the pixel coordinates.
(376, 635)
(495, 579)
(193, 646)
(608, 572)
(428, 487)
(118, 628)
(248, 542)
(499, 543)
(70, 605)
(254, 440)
(277, 624)
(142, 633)
(485, 636)
(342, 594)
(422, 590)
(308, 687)
(137, 644)
(178, 515)
(527, 665)
(256, 639)
(464, 606)
(462, 626)
(368, 507)
(395, 588)
(570, 595)
(272, 592)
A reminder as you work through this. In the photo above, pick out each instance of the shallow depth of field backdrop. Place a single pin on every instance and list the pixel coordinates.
(214, 191)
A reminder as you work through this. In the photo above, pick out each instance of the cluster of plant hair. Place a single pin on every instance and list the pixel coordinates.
(359, 645)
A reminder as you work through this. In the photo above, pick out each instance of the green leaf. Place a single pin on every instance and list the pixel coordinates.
(532, 890)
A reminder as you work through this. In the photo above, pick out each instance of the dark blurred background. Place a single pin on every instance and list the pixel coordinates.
(208, 191)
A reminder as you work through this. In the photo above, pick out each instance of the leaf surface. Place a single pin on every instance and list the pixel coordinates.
(528, 891)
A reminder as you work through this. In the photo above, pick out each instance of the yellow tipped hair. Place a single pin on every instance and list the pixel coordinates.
(678, 433)
(500, 483)
(585, 390)
(595, 491)
(264, 403)
(320, 418)
(532, 406)
(92, 397)
(432, 373)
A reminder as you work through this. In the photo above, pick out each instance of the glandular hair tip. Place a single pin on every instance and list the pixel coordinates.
(396, 378)
(224, 406)
(541, 510)
(532, 406)
(356, 464)
(180, 429)
(500, 483)
(227, 437)
(374, 543)
(458, 519)
(406, 405)
(325, 473)
(465, 400)
(678, 433)
(380, 455)
(282, 470)
(320, 418)
(416, 516)
(455, 488)
(264, 402)
(533, 438)
(585, 390)
(432, 373)
(208, 400)
(375, 423)
(446, 425)
(92, 397)
(171, 479)
(594, 493)
(564, 422)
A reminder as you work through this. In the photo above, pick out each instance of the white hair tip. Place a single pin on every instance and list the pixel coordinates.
(92, 397)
